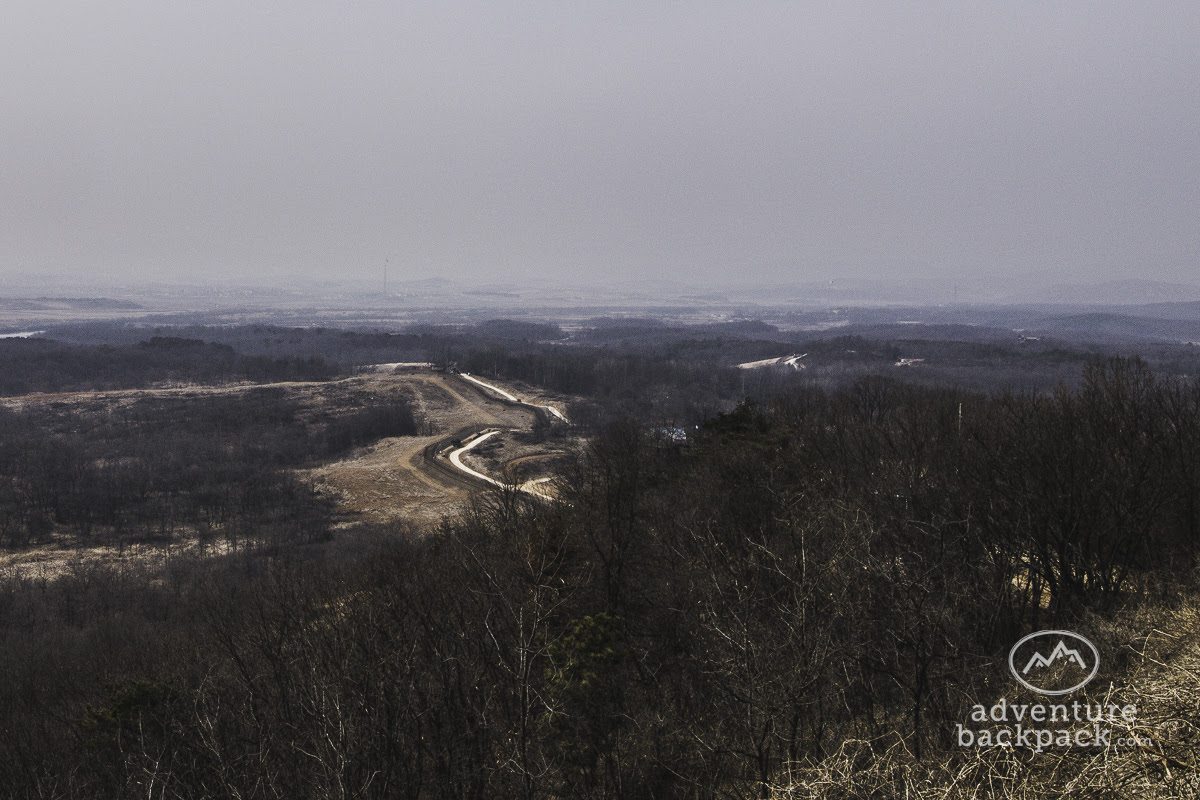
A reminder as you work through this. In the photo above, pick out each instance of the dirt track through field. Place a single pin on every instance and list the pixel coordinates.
(393, 479)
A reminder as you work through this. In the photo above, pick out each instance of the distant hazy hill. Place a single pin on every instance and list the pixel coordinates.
(427, 286)
(1123, 292)
(1001, 290)
(1182, 311)
(1104, 325)
(67, 303)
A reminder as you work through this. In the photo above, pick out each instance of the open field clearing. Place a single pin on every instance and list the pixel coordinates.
(393, 479)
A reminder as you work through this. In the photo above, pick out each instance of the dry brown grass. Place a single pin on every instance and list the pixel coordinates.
(1157, 669)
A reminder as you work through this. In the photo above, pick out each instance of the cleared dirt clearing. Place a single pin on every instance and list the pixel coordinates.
(395, 479)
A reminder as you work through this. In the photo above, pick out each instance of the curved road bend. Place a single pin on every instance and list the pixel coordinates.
(456, 458)
(529, 487)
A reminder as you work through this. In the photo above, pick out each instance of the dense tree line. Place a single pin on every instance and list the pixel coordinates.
(213, 465)
(41, 365)
(693, 621)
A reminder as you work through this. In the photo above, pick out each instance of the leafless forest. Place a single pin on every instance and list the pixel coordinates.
(784, 581)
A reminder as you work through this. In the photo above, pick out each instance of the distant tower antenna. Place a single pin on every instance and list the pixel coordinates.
(385, 266)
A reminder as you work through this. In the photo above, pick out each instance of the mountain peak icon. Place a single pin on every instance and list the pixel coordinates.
(1056, 644)
(1060, 652)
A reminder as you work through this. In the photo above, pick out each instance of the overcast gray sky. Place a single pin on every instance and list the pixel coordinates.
(699, 141)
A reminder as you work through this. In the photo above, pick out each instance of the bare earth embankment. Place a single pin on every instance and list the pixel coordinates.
(411, 478)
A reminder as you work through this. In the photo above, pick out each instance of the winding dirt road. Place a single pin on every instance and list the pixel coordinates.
(423, 478)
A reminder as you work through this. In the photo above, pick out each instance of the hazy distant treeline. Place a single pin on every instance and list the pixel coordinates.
(40, 365)
(681, 373)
